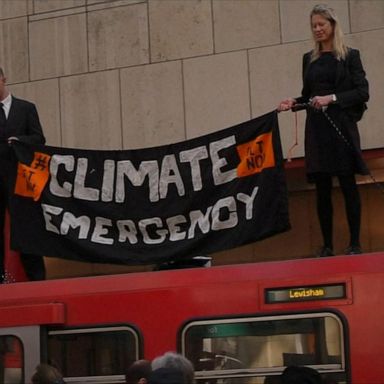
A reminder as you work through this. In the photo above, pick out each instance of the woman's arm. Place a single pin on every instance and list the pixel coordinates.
(355, 89)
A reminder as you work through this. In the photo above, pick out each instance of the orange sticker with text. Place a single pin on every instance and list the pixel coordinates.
(255, 155)
(31, 179)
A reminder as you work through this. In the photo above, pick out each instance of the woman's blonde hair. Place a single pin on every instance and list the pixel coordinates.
(339, 48)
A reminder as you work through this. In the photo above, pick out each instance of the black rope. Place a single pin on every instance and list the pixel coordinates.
(378, 184)
(346, 141)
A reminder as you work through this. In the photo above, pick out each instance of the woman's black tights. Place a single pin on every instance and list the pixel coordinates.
(325, 209)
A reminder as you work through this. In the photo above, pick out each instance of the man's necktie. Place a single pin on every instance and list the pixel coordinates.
(3, 119)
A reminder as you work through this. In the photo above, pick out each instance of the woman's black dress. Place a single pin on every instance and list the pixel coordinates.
(326, 149)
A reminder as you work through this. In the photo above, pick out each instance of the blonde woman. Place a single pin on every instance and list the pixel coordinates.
(333, 81)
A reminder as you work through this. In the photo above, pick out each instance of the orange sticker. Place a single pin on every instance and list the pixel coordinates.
(256, 155)
(31, 179)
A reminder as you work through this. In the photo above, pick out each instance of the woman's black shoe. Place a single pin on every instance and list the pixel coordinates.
(353, 250)
(325, 252)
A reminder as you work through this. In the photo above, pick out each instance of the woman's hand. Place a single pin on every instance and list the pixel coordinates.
(319, 102)
(12, 139)
(286, 104)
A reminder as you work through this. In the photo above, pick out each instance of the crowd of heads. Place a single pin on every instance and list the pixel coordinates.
(170, 368)
(173, 368)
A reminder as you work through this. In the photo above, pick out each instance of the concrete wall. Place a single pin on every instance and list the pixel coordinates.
(117, 74)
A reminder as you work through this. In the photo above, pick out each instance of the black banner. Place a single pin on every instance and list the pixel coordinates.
(195, 197)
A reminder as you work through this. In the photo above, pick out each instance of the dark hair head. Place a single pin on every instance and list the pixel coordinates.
(140, 369)
(300, 375)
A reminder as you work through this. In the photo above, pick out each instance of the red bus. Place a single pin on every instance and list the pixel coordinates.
(238, 324)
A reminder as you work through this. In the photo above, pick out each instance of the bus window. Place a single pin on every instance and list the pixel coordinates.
(256, 350)
(94, 352)
(11, 360)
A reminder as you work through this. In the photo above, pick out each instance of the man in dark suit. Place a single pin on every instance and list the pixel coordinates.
(19, 120)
